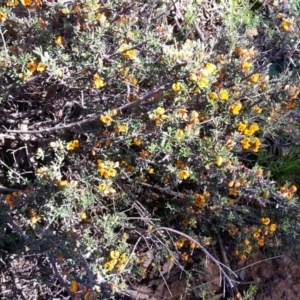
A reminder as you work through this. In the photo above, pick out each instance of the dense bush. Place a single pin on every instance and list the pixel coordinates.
(132, 136)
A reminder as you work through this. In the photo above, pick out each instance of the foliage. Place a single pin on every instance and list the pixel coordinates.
(136, 140)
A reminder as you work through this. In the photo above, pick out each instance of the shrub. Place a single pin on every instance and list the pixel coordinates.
(131, 142)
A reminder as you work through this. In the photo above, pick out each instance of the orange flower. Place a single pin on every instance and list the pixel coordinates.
(183, 174)
(265, 221)
(74, 287)
(213, 96)
(286, 25)
(273, 227)
(254, 78)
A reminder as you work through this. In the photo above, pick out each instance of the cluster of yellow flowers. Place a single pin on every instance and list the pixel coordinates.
(105, 170)
(246, 55)
(33, 66)
(73, 145)
(106, 188)
(287, 192)
(129, 54)
(116, 260)
(201, 199)
(201, 78)
(253, 144)
(258, 238)
(74, 288)
(248, 130)
(158, 115)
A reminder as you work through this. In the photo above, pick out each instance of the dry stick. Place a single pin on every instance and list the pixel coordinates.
(164, 85)
(219, 264)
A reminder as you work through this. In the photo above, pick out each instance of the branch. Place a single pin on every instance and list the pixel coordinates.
(164, 85)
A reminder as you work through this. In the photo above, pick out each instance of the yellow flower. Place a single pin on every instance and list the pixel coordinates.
(127, 54)
(265, 221)
(224, 95)
(120, 128)
(286, 25)
(254, 78)
(193, 78)
(183, 174)
(219, 161)
(83, 216)
(26, 2)
(123, 258)
(160, 111)
(102, 186)
(261, 242)
(114, 254)
(256, 235)
(63, 183)
(59, 73)
(12, 3)
(120, 266)
(2, 16)
(233, 192)
(235, 108)
(58, 40)
(202, 82)
(31, 66)
(150, 171)
(137, 142)
(176, 87)
(109, 266)
(273, 227)
(143, 154)
(35, 219)
(242, 127)
(257, 109)
(74, 287)
(242, 257)
(41, 67)
(254, 127)
(255, 145)
(213, 96)
(73, 145)
(182, 111)
(112, 172)
(210, 68)
(293, 189)
(180, 133)
(106, 119)
(98, 82)
(246, 65)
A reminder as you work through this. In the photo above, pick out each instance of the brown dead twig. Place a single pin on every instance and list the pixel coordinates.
(163, 86)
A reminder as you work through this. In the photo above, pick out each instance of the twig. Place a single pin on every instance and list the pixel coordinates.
(164, 85)
(219, 264)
